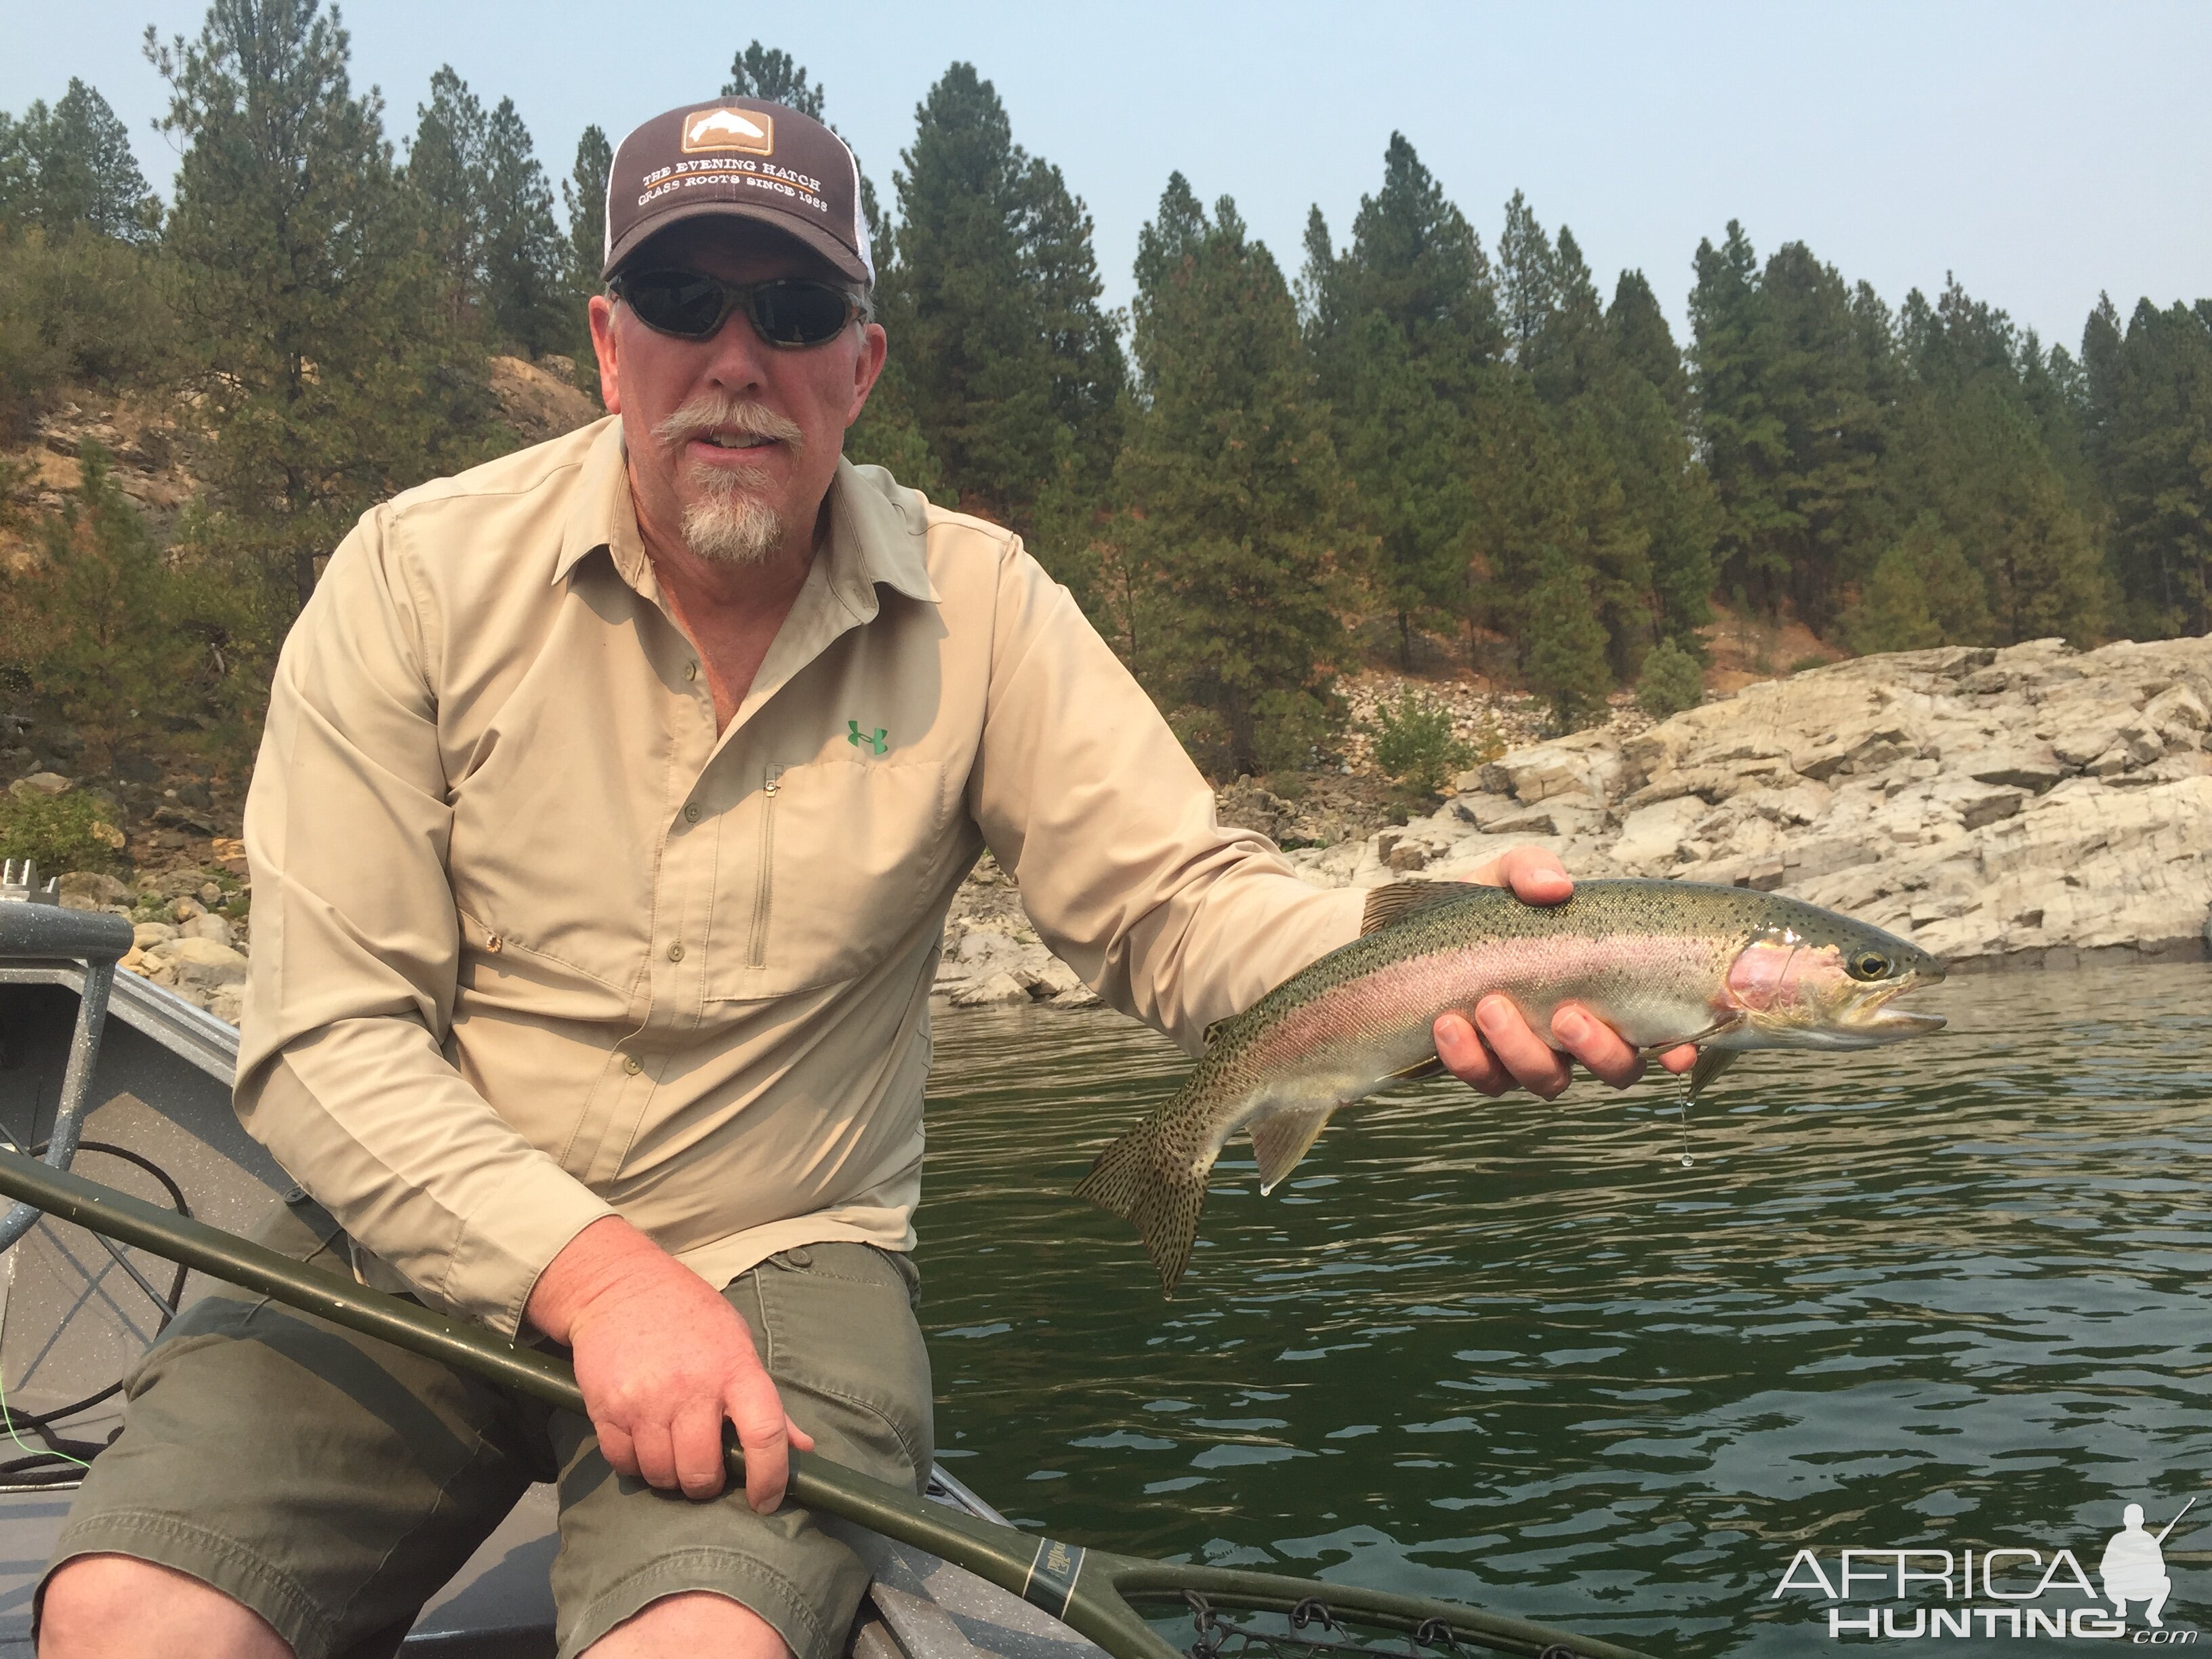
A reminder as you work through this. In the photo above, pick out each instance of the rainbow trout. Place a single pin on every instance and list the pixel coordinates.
(1662, 962)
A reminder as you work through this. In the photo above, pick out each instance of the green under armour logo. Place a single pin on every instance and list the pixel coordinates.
(856, 738)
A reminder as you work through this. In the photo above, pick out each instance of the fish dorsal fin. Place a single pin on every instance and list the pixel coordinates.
(1215, 1030)
(1401, 899)
(1281, 1140)
(1711, 1064)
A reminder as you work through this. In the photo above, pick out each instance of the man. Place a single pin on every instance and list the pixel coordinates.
(608, 807)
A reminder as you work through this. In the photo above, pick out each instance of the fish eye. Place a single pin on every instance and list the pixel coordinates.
(1868, 965)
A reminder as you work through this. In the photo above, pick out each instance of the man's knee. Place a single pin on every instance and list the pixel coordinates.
(687, 1623)
(111, 1606)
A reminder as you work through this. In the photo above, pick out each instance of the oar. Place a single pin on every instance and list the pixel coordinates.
(1091, 1590)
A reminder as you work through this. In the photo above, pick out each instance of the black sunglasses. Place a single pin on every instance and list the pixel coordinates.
(693, 305)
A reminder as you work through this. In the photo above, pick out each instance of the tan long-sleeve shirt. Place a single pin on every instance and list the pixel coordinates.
(533, 944)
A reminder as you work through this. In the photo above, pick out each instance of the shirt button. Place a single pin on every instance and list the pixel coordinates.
(632, 1063)
(675, 952)
(691, 671)
(798, 1256)
(690, 811)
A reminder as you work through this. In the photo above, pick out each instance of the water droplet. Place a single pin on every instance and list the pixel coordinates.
(1686, 1160)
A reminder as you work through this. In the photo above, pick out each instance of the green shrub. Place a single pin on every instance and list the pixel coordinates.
(1414, 743)
(60, 833)
(1671, 683)
(79, 307)
(109, 632)
(1807, 662)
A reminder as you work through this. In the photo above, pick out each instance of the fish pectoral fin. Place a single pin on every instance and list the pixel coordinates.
(1417, 1071)
(1711, 1064)
(1281, 1139)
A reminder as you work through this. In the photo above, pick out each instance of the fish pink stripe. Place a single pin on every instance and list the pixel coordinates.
(1646, 985)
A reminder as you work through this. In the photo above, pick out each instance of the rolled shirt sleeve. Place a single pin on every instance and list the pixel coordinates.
(342, 1071)
(1086, 796)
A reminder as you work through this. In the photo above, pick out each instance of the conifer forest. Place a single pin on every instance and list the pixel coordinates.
(1431, 433)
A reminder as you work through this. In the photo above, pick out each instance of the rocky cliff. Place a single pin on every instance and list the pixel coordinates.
(2030, 807)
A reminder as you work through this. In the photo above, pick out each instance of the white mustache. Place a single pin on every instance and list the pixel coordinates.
(717, 413)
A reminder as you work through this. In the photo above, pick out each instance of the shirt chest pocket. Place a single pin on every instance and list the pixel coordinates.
(825, 871)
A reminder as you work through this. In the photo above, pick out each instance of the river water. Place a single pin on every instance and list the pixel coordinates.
(1948, 1296)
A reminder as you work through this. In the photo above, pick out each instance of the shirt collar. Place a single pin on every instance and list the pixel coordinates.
(600, 511)
(873, 537)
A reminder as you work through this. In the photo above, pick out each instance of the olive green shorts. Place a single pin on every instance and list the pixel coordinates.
(333, 1484)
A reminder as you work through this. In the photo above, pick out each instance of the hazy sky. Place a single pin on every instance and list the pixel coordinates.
(2042, 152)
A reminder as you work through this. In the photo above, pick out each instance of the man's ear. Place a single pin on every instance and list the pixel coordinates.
(602, 311)
(867, 366)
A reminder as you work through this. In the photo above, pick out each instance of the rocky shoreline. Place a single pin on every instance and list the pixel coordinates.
(2030, 807)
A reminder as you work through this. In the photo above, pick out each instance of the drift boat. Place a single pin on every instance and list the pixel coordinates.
(122, 1090)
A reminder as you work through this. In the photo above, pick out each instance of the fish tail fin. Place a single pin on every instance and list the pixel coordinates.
(1154, 1177)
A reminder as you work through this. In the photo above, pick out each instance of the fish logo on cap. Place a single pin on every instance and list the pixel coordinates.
(746, 130)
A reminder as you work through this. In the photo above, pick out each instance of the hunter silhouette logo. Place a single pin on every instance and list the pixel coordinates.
(875, 742)
(730, 129)
(2007, 1591)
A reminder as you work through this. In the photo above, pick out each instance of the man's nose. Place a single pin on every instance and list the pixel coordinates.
(737, 357)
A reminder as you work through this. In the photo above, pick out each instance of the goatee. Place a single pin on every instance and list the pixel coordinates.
(731, 521)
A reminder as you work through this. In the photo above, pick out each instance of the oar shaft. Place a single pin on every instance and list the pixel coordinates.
(1084, 1588)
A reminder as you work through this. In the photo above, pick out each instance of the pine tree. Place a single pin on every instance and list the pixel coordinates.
(445, 173)
(584, 199)
(774, 76)
(1922, 593)
(583, 250)
(1611, 544)
(1644, 411)
(1229, 548)
(1642, 341)
(1528, 275)
(1988, 470)
(1570, 353)
(525, 305)
(1402, 325)
(488, 214)
(1564, 649)
(1743, 445)
(311, 311)
(103, 625)
(71, 167)
(2150, 390)
(1792, 430)
(1082, 343)
(1015, 371)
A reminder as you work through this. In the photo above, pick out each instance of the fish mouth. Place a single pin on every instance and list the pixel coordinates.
(1875, 1020)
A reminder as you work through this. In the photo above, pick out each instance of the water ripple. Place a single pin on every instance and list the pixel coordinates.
(1515, 1353)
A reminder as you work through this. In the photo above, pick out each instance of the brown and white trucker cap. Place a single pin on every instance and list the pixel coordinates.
(745, 160)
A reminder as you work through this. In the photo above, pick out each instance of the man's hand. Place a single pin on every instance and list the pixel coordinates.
(1500, 1049)
(662, 1360)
